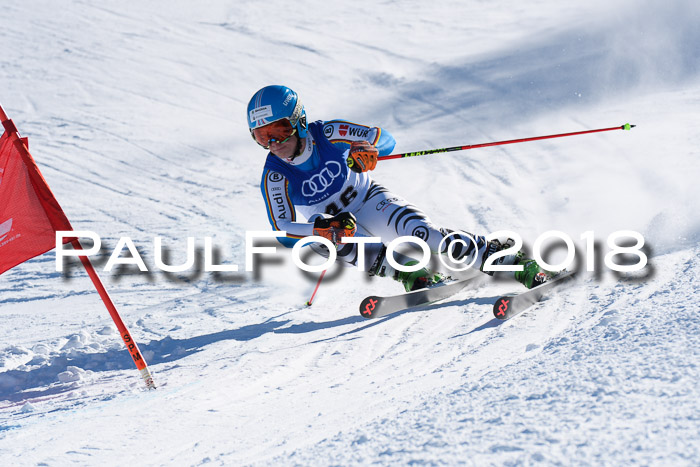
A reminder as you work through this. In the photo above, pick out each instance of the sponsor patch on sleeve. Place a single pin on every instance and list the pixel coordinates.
(328, 130)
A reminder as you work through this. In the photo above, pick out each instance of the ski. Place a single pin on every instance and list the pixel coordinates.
(508, 306)
(376, 307)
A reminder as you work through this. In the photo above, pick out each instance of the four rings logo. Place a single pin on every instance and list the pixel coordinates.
(322, 180)
(5, 228)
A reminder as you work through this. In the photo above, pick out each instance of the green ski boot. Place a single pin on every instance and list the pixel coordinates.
(419, 279)
(531, 275)
(415, 280)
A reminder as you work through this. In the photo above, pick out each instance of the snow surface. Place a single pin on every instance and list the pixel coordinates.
(136, 115)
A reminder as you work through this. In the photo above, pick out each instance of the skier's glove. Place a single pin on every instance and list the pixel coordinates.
(335, 228)
(363, 156)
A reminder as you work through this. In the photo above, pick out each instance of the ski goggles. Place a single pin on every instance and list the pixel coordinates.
(276, 132)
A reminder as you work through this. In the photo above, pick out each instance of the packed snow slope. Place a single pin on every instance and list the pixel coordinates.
(135, 114)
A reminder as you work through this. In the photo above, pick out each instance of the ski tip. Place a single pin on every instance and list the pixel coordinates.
(501, 308)
(368, 307)
(627, 126)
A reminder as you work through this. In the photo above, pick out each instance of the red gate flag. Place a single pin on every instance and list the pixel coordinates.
(29, 219)
(29, 213)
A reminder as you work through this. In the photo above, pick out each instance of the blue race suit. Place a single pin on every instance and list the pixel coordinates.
(318, 181)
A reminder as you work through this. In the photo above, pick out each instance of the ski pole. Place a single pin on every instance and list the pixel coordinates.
(626, 126)
(318, 284)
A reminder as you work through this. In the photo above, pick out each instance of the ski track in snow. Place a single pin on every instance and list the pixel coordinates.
(136, 119)
(539, 409)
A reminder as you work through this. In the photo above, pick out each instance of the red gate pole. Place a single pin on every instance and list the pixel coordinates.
(47, 198)
(123, 331)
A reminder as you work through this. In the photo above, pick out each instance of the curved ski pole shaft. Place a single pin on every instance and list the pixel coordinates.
(318, 284)
(626, 126)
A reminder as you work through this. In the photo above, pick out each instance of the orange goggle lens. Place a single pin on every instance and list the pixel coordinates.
(278, 132)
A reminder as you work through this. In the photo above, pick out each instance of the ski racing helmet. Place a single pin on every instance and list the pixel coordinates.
(273, 103)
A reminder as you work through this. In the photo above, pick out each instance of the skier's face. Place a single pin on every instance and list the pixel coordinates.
(286, 149)
(279, 137)
(278, 131)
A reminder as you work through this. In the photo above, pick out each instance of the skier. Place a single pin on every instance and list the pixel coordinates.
(320, 170)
